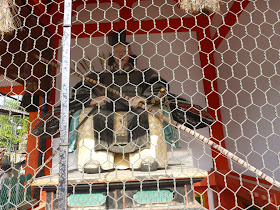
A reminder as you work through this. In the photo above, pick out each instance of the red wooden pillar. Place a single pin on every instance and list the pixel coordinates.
(211, 92)
(32, 150)
(226, 197)
(207, 47)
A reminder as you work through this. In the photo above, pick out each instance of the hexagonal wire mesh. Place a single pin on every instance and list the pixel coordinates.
(143, 74)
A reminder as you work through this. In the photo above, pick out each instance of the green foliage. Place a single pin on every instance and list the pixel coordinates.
(12, 128)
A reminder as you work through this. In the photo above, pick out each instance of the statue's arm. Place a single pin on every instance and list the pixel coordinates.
(153, 84)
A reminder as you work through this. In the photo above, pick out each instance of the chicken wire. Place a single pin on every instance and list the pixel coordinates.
(224, 63)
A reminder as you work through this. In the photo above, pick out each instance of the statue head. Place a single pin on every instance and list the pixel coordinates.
(122, 57)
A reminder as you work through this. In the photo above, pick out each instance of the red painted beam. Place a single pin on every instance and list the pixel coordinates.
(229, 20)
(135, 27)
(55, 12)
(206, 46)
(52, 14)
(38, 5)
(40, 9)
(227, 197)
(13, 90)
(254, 180)
(258, 194)
(126, 21)
(211, 92)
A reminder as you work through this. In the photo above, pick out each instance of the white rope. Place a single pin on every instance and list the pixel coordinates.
(197, 6)
(8, 16)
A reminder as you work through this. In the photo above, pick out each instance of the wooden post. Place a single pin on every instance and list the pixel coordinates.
(207, 49)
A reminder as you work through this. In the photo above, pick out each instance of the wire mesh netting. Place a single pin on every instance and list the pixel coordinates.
(141, 104)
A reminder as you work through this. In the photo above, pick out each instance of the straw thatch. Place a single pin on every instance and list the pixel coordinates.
(8, 16)
(198, 6)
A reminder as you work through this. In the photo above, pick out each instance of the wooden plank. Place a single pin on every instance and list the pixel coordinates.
(172, 172)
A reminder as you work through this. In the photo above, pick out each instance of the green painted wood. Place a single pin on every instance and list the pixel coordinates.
(153, 196)
(13, 192)
(20, 193)
(86, 199)
(28, 189)
(4, 194)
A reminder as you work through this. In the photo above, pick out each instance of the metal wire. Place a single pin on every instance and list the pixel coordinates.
(225, 62)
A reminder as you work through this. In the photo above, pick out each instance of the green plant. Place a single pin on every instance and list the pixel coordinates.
(12, 128)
